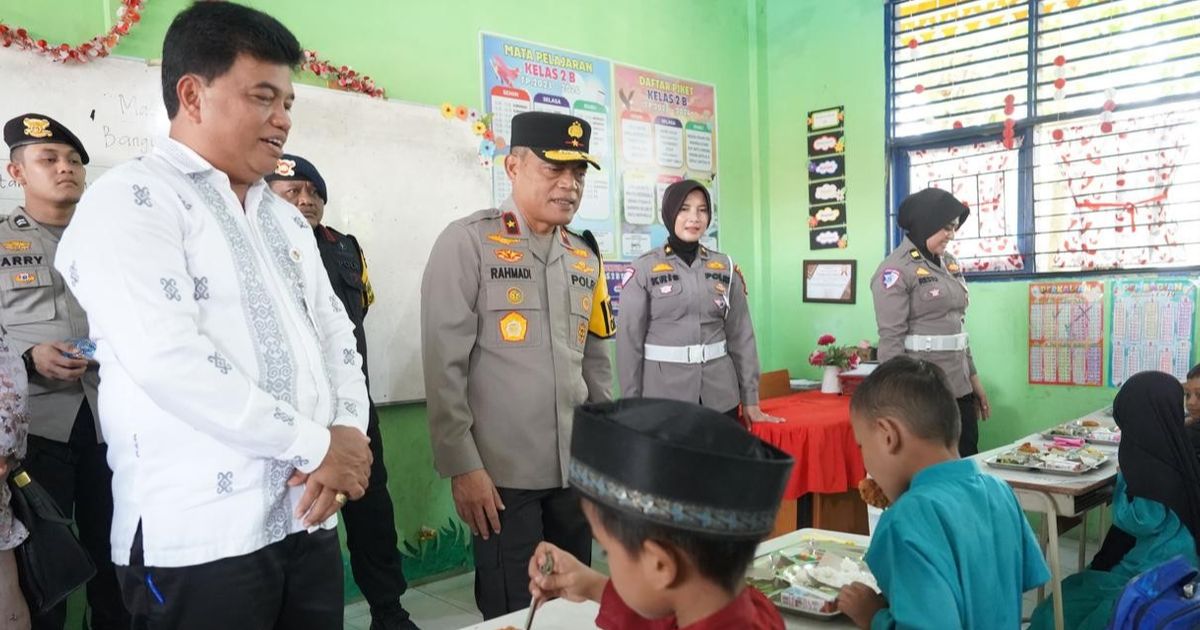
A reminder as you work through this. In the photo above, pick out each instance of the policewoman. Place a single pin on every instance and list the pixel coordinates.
(921, 303)
(683, 329)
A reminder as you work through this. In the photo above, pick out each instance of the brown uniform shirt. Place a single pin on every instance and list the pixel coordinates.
(915, 297)
(36, 307)
(511, 343)
(669, 303)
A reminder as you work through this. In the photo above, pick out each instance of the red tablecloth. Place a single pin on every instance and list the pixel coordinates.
(818, 435)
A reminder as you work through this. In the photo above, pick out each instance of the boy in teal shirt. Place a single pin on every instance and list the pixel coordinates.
(954, 549)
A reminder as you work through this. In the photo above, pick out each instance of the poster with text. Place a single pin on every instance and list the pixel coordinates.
(1152, 324)
(520, 76)
(666, 132)
(1066, 333)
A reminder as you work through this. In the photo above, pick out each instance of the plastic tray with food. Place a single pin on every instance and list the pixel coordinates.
(1051, 459)
(805, 578)
(1087, 429)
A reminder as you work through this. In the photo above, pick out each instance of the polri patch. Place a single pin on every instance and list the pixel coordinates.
(890, 277)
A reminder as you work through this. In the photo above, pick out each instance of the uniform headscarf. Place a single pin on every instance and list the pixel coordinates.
(925, 212)
(673, 198)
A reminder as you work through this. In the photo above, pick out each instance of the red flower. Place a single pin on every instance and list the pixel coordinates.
(826, 339)
(853, 361)
(816, 358)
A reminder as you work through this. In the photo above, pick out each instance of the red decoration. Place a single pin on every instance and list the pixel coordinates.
(128, 14)
(340, 77)
(1057, 134)
(912, 43)
(1060, 60)
(1059, 83)
(1106, 127)
(919, 88)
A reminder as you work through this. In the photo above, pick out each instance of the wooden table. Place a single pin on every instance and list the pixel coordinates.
(563, 615)
(1055, 496)
(817, 434)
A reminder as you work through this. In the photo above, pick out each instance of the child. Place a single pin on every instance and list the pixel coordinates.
(679, 498)
(954, 549)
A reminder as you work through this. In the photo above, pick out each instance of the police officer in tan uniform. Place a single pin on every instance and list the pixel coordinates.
(684, 329)
(514, 320)
(921, 303)
(42, 320)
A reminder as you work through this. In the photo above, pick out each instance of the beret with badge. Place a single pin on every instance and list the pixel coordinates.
(554, 137)
(34, 128)
(293, 167)
(677, 464)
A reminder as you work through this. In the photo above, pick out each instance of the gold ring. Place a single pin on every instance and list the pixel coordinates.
(340, 498)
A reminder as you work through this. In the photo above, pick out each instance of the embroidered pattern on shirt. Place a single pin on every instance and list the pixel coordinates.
(201, 292)
(73, 272)
(335, 303)
(170, 289)
(284, 417)
(348, 356)
(141, 196)
(301, 223)
(351, 407)
(225, 482)
(220, 363)
(276, 366)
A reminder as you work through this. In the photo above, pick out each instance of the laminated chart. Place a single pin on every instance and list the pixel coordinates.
(1066, 333)
(1152, 327)
(665, 130)
(521, 76)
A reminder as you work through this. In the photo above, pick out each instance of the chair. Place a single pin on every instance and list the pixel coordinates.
(774, 384)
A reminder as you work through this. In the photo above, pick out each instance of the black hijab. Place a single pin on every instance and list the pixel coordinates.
(672, 201)
(1156, 455)
(923, 213)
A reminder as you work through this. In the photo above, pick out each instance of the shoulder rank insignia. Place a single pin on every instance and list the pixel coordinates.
(661, 267)
(915, 254)
(511, 226)
(503, 240)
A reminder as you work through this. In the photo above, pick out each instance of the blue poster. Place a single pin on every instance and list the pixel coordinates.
(521, 76)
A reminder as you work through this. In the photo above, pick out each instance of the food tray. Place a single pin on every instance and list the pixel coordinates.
(774, 574)
(1101, 434)
(991, 461)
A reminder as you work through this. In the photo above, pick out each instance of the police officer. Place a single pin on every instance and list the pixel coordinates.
(514, 317)
(921, 303)
(370, 523)
(684, 329)
(42, 320)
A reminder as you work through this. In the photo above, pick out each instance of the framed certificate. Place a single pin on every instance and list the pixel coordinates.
(830, 281)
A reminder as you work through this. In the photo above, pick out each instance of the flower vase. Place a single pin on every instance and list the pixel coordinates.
(829, 381)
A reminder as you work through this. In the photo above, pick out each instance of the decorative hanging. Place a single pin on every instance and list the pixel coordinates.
(1009, 123)
(1060, 77)
(480, 126)
(128, 14)
(340, 77)
(1106, 115)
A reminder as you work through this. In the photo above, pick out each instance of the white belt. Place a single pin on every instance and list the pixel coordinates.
(698, 353)
(936, 343)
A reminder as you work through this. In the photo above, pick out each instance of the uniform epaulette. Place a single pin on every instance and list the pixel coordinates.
(914, 254)
(482, 215)
(586, 237)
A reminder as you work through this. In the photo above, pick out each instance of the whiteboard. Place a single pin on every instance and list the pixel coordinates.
(397, 174)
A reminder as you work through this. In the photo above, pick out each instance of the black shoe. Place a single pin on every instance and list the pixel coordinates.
(392, 620)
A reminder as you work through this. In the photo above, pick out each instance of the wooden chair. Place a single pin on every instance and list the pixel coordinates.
(774, 384)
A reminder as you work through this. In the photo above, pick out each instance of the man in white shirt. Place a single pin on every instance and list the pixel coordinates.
(231, 392)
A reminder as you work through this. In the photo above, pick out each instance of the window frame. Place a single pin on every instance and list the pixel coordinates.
(897, 161)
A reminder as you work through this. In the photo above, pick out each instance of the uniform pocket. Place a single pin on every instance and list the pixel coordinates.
(27, 295)
(513, 315)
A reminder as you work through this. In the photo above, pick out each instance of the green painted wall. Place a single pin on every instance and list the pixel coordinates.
(819, 54)
(428, 52)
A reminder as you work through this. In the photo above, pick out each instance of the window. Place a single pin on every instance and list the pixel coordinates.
(1070, 127)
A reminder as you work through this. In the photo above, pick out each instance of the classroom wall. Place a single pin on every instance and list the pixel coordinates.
(428, 52)
(822, 54)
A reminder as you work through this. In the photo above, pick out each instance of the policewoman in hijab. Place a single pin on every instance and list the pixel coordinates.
(683, 324)
(921, 303)
(1155, 508)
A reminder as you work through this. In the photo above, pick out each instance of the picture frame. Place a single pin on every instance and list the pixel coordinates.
(830, 281)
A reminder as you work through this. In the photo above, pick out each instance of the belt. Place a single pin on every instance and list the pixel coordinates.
(936, 343)
(697, 353)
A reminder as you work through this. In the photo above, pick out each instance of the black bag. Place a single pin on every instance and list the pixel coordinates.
(50, 563)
